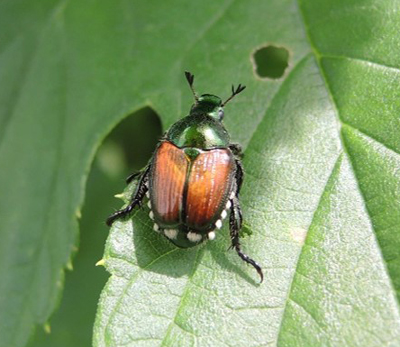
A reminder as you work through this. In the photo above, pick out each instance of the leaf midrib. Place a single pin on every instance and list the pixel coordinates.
(333, 173)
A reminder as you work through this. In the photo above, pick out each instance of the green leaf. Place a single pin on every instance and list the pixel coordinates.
(71, 323)
(322, 189)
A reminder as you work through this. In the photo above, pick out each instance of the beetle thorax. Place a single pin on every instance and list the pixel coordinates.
(200, 131)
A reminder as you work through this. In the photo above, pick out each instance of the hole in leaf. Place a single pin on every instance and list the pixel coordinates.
(130, 144)
(271, 61)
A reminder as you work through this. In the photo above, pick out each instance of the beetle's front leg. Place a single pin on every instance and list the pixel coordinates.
(235, 223)
(137, 196)
(236, 149)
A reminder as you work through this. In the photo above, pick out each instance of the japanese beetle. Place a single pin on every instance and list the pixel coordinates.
(194, 178)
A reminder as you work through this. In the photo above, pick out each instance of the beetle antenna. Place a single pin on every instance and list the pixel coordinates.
(190, 79)
(238, 90)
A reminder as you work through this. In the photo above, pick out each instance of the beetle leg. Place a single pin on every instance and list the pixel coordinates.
(236, 149)
(136, 199)
(235, 223)
(239, 176)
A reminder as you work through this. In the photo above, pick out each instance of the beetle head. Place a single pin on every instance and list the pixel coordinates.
(210, 105)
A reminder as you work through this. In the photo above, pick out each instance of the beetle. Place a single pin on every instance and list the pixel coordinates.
(194, 177)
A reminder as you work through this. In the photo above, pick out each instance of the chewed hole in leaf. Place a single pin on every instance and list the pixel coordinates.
(270, 61)
(130, 144)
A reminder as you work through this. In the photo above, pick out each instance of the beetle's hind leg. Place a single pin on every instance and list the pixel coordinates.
(137, 196)
(235, 223)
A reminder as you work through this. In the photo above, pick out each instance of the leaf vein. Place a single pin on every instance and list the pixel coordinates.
(360, 60)
(334, 172)
(185, 293)
(371, 137)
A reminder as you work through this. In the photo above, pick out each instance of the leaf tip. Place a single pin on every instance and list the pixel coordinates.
(119, 196)
(101, 262)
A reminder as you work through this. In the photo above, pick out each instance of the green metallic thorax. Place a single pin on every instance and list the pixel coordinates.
(200, 131)
(202, 128)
